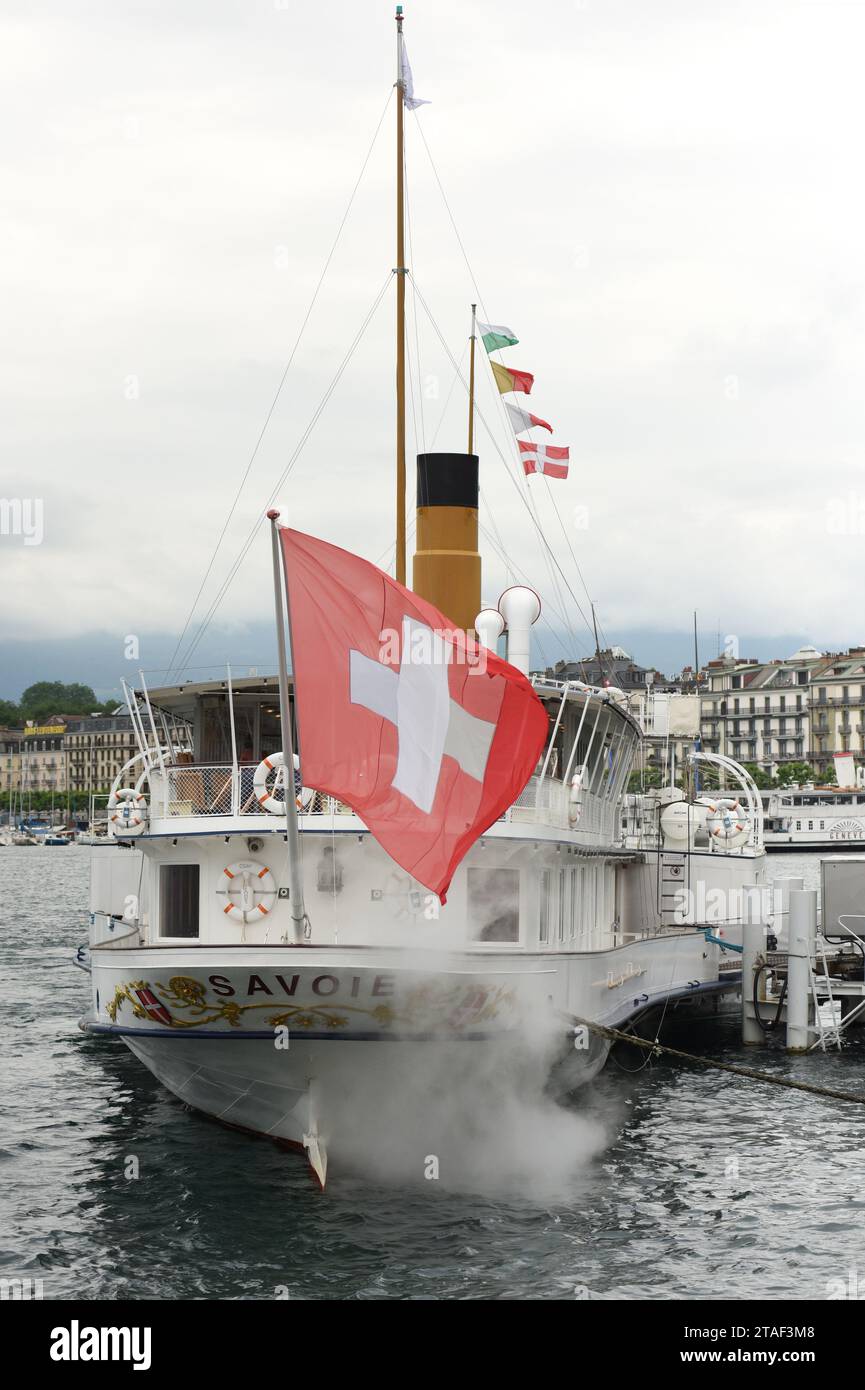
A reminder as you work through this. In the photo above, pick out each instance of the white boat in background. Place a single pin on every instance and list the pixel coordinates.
(813, 817)
(276, 968)
(94, 837)
(21, 838)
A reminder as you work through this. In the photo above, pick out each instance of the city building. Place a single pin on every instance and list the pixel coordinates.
(671, 720)
(97, 747)
(805, 708)
(759, 712)
(612, 666)
(43, 757)
(667, 709)
(838, 705)
(10, 759)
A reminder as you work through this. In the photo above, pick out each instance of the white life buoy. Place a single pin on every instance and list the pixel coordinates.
(267, 800)
(575, 798)
(727, 820)
(127, 811)
(250, 890)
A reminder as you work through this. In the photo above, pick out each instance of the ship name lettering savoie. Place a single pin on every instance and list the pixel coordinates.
(324, 986)
(183, 1002)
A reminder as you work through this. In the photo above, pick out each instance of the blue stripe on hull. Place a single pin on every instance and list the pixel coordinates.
(268, 1034)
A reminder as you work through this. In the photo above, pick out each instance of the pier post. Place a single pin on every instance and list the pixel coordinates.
(781, 889)
(753, 946)
(803, 931)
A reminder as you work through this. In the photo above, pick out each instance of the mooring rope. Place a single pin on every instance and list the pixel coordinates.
(616, 1035)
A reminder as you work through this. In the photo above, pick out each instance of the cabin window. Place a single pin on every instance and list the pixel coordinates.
(178, 899)
(546, 912)
(494, 904)
(565, 890)
(576, 900)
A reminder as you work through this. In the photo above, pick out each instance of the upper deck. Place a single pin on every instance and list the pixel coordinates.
(200, 745)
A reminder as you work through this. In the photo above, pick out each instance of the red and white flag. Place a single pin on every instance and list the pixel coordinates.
(544, 458)
(152, 1006)
(522, 420)
(428, 736)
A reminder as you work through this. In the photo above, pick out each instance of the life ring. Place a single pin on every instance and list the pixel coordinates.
(727, 820)
(269, 802)
(575, 799)
(127, 807)
(249, 884)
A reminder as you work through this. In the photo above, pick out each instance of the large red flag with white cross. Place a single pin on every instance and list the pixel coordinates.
(425, 733)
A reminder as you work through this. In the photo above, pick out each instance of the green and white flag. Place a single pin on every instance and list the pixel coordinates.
(496, 335)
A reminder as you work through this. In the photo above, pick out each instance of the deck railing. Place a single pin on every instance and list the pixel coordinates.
(220, 790)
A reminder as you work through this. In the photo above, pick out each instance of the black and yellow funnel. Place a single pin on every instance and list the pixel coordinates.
(447, 566)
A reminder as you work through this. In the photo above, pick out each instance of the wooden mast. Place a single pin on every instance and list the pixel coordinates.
(472, 382)
(400, 313)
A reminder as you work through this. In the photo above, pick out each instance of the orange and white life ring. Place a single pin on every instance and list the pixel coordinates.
(727, 820)
(127, 811)
(250, 890)
(275, 763)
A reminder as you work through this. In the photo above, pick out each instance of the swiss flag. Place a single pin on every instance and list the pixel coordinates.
(428, 736)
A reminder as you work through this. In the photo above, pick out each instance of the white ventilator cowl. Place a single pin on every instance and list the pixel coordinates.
(489, 626)
(520, 607)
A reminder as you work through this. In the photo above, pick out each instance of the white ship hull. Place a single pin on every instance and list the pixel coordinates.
(285, 1041)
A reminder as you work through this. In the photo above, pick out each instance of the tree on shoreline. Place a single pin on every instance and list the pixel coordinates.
(46, 698)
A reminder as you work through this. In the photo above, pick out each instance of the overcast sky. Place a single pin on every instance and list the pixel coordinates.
(664, 200)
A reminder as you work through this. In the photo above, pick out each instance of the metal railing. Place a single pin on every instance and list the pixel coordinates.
(188, 792)
(220, 790)
(548, 802)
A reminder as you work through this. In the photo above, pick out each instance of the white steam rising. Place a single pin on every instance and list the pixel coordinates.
(465, 1115)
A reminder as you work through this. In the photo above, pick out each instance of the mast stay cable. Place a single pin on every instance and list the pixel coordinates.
(285, 472)
(282, 381)
(473, 278)
(520, 491)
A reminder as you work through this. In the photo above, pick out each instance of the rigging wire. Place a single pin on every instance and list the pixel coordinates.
(568, 543)
(282, 381)
(414, 296)
(288, 467)
(454, 380)
(486, 315)
(510, 569)
(520, 491)
(546, 552)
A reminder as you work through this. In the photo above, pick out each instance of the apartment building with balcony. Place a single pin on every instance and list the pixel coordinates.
(97, 747)
(760, 712)
(838, 705)
(43, 757)
(10, 759)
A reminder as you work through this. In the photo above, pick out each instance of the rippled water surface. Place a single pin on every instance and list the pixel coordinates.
(708, 1186)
